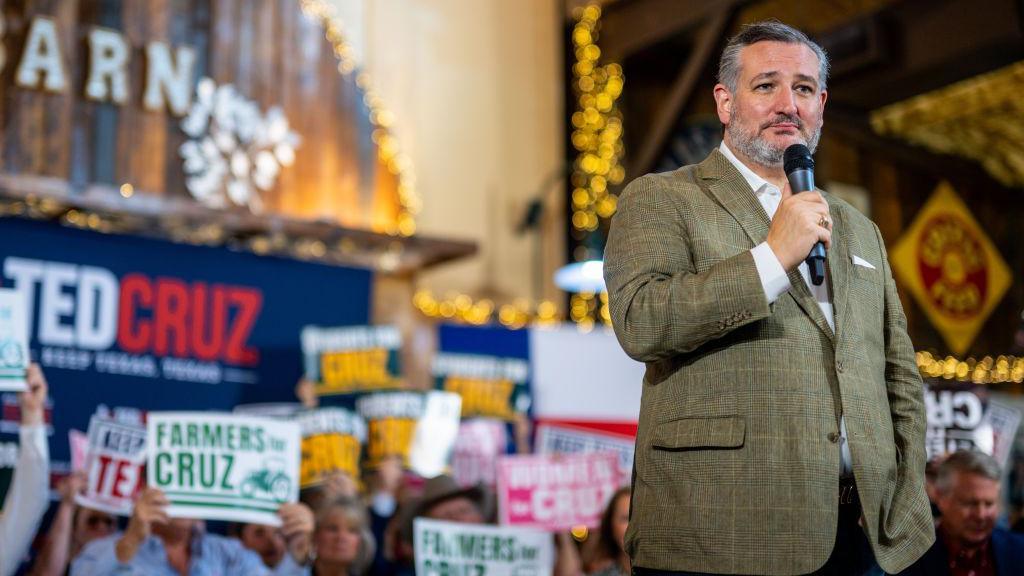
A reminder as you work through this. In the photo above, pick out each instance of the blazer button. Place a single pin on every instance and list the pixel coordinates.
(833, 437)
(839, 366)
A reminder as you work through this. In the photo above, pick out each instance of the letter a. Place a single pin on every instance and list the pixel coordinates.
(42, 58)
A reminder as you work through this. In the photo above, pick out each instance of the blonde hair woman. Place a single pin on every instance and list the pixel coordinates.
(342, 542)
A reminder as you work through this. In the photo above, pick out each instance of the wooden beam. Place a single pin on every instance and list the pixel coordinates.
(682, 90)
(156, 217)
(630, 27)
(855, 129)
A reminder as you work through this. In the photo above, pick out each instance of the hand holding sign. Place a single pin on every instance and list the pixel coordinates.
(339, 484)
(34, 397)
(149, 508)
(71, 486)
(297, 528)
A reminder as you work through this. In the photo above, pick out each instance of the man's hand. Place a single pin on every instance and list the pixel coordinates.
(389, 476)
(71, 486)
(338, 484)
(305, 391)
(796, 227)
(150, 507)
(297, 528)
(34, 399)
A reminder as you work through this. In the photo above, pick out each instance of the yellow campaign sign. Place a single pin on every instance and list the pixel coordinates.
(483, 397)
(389, 437)
(355, 371)
(391, 419)
(323, 454)
(951, 268)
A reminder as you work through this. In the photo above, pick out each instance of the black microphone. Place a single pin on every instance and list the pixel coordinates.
(799, 166)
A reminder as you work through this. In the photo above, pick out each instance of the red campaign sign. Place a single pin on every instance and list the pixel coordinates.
(114, 463)
(556, 492)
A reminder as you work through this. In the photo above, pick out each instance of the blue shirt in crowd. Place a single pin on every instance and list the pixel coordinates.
(212, 555)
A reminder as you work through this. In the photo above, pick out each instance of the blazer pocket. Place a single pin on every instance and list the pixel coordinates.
(697, 433)
(872, 274)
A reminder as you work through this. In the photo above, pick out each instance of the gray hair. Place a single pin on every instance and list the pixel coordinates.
(966, 462)
(765, 31)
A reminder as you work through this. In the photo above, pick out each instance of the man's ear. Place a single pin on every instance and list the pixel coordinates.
(723, 103)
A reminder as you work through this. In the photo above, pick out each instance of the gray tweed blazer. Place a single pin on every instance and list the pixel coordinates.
(737, 456)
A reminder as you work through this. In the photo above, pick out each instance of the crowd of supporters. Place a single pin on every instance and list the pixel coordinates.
(336, 528)
(354, 526)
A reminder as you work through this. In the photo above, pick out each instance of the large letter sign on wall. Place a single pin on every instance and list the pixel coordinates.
(41, 60)
(159, 326)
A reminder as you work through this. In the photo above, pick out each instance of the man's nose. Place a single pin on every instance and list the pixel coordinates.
(980, 512)
(785, 102)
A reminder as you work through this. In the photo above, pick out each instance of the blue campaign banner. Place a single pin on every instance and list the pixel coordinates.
(148, 324)
(489, 367)
(484, 341)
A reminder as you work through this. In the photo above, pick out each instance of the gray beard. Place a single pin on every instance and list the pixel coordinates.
(760, 151)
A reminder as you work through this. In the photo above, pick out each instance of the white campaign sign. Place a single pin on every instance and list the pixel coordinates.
(443, 548)
(552, 439)
(1003, 420)
(223, 466)
(115, 455)
(14, 357)
(435, 434)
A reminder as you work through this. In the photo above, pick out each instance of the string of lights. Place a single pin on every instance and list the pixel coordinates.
(988, 370)
(597, 128)
(597, 139)
(462, 308)
(389, 153)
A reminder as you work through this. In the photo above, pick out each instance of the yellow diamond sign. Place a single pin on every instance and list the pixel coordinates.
(951, 267)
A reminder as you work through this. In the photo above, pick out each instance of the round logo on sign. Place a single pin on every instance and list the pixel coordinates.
(953, 266)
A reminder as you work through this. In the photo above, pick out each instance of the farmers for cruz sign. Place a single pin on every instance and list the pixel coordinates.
(350, 359)
(490, 387)
(448, 548)
(223, 466)
(332, 440)
(13, 340)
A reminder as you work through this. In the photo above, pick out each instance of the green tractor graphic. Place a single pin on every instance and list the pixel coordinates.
(11, 354)
(268, 481)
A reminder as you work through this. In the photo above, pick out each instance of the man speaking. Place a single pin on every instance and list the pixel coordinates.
(782, 421)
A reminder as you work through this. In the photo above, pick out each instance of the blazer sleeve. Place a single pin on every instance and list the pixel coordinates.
(660, 305)
(905, 391)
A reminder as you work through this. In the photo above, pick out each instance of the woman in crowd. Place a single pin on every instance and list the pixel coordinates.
(342, 542)
(72, 527)
(608, 557)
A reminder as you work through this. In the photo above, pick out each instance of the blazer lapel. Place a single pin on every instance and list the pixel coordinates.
(839, 263)
(799, 291)
(734, 194)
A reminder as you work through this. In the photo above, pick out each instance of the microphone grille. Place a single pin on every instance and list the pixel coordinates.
(797, 157)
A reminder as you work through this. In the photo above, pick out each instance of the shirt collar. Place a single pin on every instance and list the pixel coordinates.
(757, 184)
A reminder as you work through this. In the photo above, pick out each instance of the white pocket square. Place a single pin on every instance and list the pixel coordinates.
(858, 261)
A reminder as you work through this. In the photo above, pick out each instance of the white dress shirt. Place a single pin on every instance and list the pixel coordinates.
(773, 275)
(27, 497)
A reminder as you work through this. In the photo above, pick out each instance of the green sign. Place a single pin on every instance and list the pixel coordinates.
(449, 548)
(223, 466)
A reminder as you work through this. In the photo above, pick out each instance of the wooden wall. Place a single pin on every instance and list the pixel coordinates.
(268, 49)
